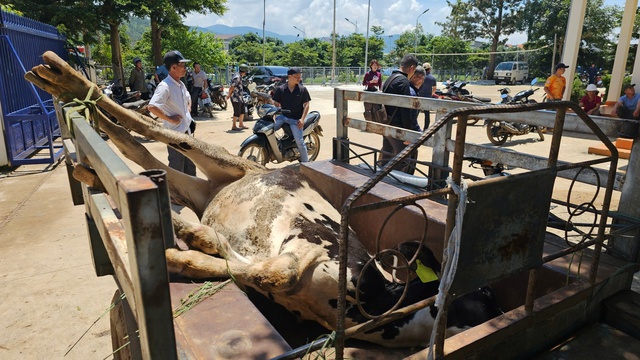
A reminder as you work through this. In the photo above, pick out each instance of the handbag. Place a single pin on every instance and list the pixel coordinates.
(378, 112)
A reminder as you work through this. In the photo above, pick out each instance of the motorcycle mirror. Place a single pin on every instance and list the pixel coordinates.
(534, 81)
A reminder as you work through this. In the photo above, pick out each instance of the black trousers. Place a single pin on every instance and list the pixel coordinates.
(627, 129)
(195, 93)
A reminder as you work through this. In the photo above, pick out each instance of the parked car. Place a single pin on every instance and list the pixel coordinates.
(268, 74)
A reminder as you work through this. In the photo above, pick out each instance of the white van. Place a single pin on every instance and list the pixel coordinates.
(511, 72)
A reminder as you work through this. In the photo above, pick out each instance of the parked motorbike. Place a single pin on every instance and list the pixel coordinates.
(454, 90)
(204, 102)
(217, 94)
(248, 86)
(499, 131)
(267, 145)
(127, 100)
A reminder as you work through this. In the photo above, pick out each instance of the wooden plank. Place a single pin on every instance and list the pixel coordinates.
(623, 312)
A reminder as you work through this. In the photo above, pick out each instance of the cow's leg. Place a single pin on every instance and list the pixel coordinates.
(278, 274)
(205, 239)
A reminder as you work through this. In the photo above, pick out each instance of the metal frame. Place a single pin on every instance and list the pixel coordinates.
(438, 136)
(125, 222)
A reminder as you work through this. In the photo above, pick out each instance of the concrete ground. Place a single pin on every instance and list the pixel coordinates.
(51, 296)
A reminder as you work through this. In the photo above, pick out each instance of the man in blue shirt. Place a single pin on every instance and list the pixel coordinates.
(427, 89)
(628, 107)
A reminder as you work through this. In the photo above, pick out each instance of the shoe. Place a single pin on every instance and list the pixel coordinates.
(236, 129)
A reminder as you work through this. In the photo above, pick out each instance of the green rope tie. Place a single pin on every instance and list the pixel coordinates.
(87, 108)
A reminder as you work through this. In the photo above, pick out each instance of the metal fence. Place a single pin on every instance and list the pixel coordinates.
(27, 112)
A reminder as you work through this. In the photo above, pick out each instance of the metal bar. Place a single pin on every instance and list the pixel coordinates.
(159, 177)
(141, 215)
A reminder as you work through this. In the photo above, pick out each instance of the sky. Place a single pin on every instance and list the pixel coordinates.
(315, 17)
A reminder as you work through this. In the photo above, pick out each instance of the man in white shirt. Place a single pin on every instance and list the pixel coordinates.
(171, 103)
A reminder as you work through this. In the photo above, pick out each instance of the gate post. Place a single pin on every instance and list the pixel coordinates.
(627, 246)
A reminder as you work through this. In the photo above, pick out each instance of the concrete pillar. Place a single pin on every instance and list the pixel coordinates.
(617, 74)
(626, 245)
(572, 42)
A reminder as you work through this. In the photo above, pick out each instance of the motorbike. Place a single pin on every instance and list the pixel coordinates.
(129, 100)
(267, 145)
(205, 103)
(499, 131)
(217, 94)
(454, 90)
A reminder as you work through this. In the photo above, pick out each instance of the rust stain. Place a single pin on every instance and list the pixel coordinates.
(517, 245)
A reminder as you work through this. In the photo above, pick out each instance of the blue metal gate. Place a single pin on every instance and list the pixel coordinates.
(29, 116)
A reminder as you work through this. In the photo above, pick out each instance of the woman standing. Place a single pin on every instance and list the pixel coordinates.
(373, 79)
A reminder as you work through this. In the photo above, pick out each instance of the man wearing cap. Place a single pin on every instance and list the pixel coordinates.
(136, 79)
(294, 97)
(171, 103)
(427, 89)
(628, 107)
(590, 103)
(556, 83)
(235, 94)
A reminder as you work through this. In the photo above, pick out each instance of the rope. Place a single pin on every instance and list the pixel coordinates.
(450, 257)
(87, 108)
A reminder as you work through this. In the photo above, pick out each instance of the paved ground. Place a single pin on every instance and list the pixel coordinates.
(49, 290)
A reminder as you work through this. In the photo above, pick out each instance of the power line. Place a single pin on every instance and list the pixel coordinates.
(487, 53)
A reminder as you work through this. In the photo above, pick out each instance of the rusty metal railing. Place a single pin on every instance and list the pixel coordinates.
(459, 147)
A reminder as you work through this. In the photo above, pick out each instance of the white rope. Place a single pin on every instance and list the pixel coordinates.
(486, 53)
(450, 257)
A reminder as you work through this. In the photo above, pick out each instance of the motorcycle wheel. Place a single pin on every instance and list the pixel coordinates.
(254, 152)
(313, 145)
(494, 134)
(209, 111)
(222, 102)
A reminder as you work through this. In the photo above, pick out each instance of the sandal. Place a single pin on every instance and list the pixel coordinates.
(236, 129)
(244, 127)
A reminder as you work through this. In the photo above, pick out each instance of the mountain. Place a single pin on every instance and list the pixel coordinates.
(240, 30)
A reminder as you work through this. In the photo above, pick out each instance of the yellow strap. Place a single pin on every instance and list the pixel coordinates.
(87, 108)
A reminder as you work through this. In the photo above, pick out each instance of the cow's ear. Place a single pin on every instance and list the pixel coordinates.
(425, 273)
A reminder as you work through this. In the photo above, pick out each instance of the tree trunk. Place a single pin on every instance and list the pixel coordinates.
(116, 55)
(494, 46)
(156, 41)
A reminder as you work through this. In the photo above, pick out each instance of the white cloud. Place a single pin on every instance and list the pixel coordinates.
(316, 16)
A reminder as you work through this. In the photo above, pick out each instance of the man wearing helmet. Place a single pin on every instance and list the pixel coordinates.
(136, 79)
(294, 97)
(235, 94)
(171, 103)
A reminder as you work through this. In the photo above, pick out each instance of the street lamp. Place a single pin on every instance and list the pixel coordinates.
(415, 47)
(264, 18)
(366, 43)
(354, 24)
(304, 34)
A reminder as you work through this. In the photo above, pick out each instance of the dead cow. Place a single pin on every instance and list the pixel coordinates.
(269, 228)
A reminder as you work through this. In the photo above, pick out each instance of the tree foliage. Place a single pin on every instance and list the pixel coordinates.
(494, 20)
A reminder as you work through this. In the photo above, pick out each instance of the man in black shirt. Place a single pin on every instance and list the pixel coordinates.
(398, 83)
(294, 97)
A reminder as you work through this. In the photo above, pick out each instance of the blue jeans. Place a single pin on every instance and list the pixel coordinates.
(297, 135)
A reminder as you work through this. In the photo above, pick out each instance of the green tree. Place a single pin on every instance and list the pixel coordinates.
(167, 13)
(491, 19)
(545, 20)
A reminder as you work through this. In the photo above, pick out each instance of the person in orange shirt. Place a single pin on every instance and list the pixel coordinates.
(556, 83)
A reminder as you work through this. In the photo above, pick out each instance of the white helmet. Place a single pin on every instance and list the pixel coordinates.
(267, 110)
(592, 87)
